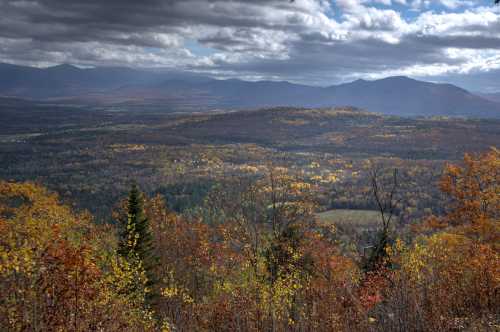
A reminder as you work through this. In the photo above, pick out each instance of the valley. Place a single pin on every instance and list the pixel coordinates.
(90, 156)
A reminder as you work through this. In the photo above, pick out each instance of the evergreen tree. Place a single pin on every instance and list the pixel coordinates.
(136, 241)
(281, 256)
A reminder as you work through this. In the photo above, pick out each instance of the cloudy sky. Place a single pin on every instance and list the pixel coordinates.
(317, 42)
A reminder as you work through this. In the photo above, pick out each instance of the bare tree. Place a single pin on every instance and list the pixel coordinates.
(384, 188)
(385, 196)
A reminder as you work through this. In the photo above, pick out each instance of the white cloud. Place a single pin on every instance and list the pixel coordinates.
(307, 40)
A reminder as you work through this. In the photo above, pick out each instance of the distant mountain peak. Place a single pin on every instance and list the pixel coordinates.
(394, 79)
(65, 67)
(398, 78)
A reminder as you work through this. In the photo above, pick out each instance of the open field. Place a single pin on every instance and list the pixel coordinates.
(358, 218)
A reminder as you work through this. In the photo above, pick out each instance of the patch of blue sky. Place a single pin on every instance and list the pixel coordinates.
(447, 5)
(410, 12)
(198, 49)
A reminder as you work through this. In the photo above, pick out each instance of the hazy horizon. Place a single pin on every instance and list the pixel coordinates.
(277, 80)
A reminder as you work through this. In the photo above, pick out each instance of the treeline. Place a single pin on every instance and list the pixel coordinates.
(251, 257)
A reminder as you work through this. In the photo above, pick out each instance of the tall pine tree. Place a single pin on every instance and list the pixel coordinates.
(136, 241)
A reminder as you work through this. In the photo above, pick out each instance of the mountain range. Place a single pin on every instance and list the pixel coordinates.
(126, 87)
(492, 96)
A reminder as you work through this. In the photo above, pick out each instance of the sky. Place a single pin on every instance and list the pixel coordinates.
(315, 42)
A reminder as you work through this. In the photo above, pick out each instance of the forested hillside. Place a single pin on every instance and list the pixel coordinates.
(283, 219)
(253, 258)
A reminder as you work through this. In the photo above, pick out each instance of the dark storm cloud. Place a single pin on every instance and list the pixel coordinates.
(313, 41)
(63, 20)
(343, 59)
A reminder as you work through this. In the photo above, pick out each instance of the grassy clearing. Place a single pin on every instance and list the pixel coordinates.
(361, 218)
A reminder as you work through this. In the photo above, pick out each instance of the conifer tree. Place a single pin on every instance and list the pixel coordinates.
(136, 241)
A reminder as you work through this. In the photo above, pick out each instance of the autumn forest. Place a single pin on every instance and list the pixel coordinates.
(283, 219)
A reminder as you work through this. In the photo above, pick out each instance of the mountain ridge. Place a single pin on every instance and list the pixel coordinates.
(108, 86)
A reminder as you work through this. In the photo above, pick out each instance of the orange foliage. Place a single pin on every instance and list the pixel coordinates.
(255, 261)
(474, 191)
(451, 280)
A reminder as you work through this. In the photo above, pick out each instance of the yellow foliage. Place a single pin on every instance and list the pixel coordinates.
(475, 193)
(56, 270)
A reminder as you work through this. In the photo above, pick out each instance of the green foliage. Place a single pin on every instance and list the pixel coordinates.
(376, 256)
(59, 271)
(283, 256)
(136, 241)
